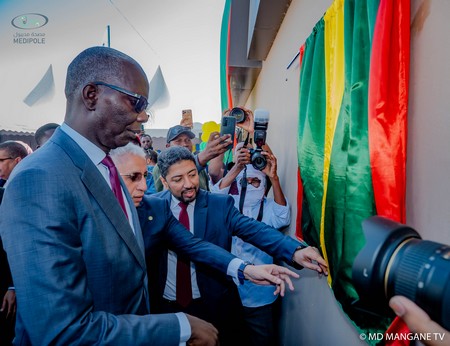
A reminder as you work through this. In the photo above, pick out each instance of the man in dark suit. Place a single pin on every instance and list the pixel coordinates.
(215, 219)
(11, 153)
(74, 246)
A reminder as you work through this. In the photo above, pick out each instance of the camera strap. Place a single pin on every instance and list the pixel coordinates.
(244, 184)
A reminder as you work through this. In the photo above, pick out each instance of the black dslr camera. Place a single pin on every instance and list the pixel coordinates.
(257, 159)
(396, 261)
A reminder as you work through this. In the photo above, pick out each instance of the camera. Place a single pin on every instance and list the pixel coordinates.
(239, 113)
(396, 261)
(257, 159)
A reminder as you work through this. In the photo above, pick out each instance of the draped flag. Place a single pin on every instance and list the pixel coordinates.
(352, 130)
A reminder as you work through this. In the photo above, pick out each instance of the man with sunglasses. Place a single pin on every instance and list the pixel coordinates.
(11, 153)
(69, 226)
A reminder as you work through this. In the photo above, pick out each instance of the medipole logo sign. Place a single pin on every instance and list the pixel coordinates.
(28, 23)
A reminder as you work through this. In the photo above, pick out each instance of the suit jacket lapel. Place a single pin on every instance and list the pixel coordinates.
(200, 214)
(97, 185)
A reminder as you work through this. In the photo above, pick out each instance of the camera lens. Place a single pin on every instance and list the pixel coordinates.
(258, 160)
(238, 113)
(395, 261)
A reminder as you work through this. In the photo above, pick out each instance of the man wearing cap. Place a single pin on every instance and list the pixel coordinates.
(182, 136)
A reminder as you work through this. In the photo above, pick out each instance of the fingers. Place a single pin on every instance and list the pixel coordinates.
(417, 320)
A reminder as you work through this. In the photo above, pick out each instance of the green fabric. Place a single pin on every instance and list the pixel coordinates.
(350, 197)
(312, 130)
(223, 56)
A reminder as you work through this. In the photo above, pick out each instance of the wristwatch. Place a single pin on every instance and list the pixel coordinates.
(241, 276)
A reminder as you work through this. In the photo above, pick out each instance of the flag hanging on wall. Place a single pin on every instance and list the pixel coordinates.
(352, 128)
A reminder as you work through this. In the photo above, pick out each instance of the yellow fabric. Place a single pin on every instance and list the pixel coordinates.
(334, 81)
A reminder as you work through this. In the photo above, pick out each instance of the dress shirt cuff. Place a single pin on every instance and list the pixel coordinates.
(232, 269)
(11, 288)
(185, 328)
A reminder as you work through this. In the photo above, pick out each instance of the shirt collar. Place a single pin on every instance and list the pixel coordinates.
(92, 151)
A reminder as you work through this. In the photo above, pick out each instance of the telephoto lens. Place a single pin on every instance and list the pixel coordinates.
(238, 113)
(396, 261)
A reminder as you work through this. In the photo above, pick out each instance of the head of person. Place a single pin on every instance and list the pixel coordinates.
(106, 92)
(11, 153)
(180, 136)
(151, 157)
(256, 185)
(43, 134)
(146, 141)
(179, 173)
(130, 162)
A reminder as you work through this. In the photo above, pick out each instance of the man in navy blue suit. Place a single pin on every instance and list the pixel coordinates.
(215, 219)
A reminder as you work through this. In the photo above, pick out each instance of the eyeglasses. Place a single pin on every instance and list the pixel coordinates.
(252, 181)
(7, 158)
(141, 103)
(135, 176)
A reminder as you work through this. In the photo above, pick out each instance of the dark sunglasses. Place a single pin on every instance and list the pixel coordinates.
(135, 176)
(141, 101)
(7, 158)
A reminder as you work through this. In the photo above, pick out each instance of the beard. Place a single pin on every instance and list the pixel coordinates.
(188, 195)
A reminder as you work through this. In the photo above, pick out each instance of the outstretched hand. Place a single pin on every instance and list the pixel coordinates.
(271, 274)
(309, 257)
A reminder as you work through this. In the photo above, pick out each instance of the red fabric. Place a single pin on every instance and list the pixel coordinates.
(184, 285)
(388, 107)
(115, 182)
(298, 226)
(298, 229)
(396, 328)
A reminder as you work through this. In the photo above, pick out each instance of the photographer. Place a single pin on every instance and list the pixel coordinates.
(258, 302)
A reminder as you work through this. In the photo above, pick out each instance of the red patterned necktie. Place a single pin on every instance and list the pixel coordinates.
(184, 286)
(115, 182)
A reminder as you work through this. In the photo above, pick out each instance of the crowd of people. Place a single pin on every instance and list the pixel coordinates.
(107, 241)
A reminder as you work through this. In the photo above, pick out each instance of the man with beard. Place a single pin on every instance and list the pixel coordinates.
(213, 218)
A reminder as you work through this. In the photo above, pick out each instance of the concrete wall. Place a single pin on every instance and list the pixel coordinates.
(310, 315)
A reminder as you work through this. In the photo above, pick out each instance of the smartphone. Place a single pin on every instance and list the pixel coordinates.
(228, 126)
(186, 118)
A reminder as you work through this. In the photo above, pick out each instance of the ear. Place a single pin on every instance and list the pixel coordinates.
(164, 182)
(90, 96)
(168, 145)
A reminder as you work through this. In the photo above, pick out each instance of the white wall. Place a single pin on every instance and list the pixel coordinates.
(310, 315)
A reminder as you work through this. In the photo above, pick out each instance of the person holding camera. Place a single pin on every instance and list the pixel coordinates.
(259, 302)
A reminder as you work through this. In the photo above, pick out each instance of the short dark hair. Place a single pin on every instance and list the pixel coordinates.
(171, 156)
(146, 135)
(40, 132)
(14, 149)
(152, 155)
(97, 64)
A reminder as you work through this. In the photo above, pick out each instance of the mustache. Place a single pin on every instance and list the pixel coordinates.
(189, 189)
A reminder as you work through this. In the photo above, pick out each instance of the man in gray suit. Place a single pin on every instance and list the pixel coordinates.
(75, 247)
